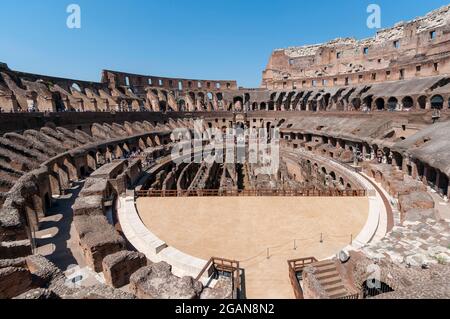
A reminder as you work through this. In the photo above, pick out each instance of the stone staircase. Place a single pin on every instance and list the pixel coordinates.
(330, 279)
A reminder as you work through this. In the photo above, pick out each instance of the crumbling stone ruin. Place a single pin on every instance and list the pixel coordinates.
(157, 282)
(120, 266)
(406, 51)
(350, 113)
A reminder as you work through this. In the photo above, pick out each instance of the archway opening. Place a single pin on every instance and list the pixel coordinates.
(422, 102)
(437, 102)
(356, 103)
(392, 104)
(407, 102)
(368, 102)
(443, 184)
(380, 104)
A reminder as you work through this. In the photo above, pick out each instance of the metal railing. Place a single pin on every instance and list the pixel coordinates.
(221, 265)
(350, 297)
(307, 192)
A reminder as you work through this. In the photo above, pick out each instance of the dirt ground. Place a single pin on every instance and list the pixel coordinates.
(260, 232)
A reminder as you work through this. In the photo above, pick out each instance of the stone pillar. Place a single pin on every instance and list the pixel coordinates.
(414, 170)
(63, 178)
(438, 178)
(373, 154)
(91, 162)
(72, 170)
(54, 184)
(425, 174)
(404, 167)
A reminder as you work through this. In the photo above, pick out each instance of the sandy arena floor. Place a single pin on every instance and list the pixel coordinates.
(242, 228)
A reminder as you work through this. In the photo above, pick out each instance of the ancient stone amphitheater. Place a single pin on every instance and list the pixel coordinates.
(93, 205)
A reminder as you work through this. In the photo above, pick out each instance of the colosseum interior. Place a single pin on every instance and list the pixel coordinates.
(94, 204)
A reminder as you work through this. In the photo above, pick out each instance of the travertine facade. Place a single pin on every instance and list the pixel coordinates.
(409, 50)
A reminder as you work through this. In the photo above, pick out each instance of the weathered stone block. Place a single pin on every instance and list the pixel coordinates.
(118, 267)
(158, 282)
(90, 205)
(97, 239)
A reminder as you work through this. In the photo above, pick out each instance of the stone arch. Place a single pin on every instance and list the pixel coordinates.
(356, 103)
(268, 127)
(201, 96)
(326, 100)
(422, 101)
(392, 104)
(379, 103)
(181, 105)
(238, 103)
(281, 122)
(398, 159)
(333, 176)
(76, 87)
(408, 103)
(59, 103)
(246, 98)
(367, 102)
(162, 106)
(192, 96)
(437, 102)
(220, 101)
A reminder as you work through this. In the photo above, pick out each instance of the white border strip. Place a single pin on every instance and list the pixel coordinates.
(150, 245)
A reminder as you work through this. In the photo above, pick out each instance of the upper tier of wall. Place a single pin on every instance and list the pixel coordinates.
(136, 80)
(417, 48)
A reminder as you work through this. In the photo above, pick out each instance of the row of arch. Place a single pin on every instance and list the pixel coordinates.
(65, 169)
(381, 154)
(162, 100)
(406, 103)
(310, 101)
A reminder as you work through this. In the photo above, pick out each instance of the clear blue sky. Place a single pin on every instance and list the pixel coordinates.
(213, 39)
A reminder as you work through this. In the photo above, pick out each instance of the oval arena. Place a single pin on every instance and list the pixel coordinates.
(100, 199)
